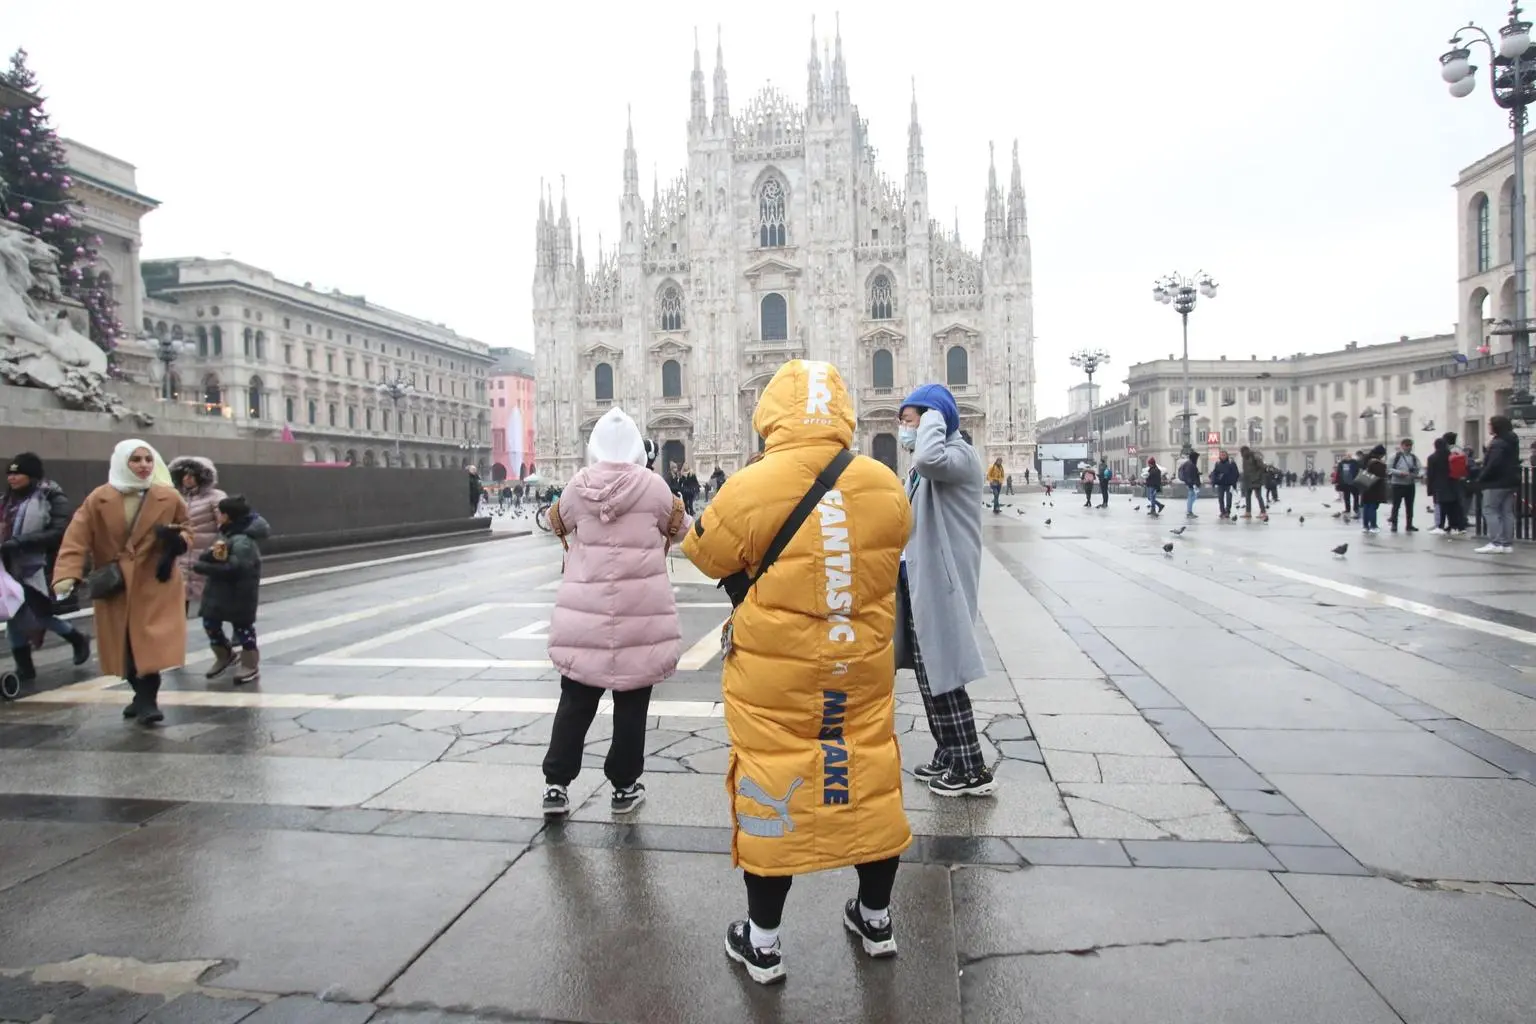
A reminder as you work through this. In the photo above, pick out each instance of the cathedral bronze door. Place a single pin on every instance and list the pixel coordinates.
(672, 455)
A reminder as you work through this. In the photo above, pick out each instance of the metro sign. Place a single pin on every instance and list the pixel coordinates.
(1213, 437)
(1130, 449)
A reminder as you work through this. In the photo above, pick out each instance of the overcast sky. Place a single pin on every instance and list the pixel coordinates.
(1303, 153)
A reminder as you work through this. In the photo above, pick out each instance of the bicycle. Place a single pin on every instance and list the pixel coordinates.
(541, 517)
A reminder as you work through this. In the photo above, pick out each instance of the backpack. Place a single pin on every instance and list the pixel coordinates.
(1458, 465)
(1106, 474)
(1347, 472)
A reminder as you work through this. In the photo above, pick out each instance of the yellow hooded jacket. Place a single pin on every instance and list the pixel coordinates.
(815, 770)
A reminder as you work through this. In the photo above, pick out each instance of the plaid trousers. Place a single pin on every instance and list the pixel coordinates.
(950, 717)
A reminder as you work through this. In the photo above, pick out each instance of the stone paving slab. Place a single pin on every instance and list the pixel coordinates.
(606, 911)
(1353, 753)
(1435, 956)
(30, 848)
(291, 911)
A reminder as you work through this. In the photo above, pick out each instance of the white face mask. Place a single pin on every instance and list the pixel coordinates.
(907, 437)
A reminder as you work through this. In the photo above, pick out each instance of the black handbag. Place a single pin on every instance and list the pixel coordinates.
(108, 580)
(738, 584)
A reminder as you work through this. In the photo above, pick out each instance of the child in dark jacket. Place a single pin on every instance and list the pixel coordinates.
(233, 568)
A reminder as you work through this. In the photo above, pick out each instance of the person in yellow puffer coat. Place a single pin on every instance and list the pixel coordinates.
(815, 771)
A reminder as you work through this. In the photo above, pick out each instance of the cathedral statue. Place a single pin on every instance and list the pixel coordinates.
(40, 346)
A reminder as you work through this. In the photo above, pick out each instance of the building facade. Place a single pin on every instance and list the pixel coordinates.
(511, 394)
(111, 206)
(277, 357)
(1302, 412)
(781, 239)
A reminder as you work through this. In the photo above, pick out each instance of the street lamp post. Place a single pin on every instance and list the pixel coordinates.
(1513, 84)
(397, 389)
(1089, 360)
(167, 350)
(1386, 420)
(1181, 292)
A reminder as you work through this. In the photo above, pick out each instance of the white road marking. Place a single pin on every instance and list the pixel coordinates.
(370, 702)
(395, 635)
(535, 630)
(330, 661)
(703, 652)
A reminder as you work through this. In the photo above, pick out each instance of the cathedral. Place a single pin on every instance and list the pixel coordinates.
(781, 240)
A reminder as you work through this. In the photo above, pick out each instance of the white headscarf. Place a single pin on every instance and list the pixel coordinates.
(124, 479)
(616, 439)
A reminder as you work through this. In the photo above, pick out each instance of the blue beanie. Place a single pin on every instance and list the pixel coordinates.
(937, 398)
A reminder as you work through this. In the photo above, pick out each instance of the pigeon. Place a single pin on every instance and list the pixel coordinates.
(1168, 548)
(1179, 532)
(1302, 521)
(1136, 509)
(1019, 511)
(1341, 549)
(1047, 522)
(1287, 511)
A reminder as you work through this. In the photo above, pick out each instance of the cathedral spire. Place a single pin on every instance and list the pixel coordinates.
(917, 176)
(1018, 219)
(696, 114)
(655, 195)
(631, 168)
(840, 95)
(813, 87)
(541, 233)
(565, 227)
(722, 117)
(995, 225)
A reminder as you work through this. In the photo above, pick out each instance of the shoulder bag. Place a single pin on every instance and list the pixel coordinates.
(102, 583)
(738, 584)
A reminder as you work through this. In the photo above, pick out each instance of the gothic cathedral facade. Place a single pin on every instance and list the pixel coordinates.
(781, 240)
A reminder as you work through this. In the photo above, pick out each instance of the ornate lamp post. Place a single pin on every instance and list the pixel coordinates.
(167, 350)
(1089, 360)
(397, 389)
(1181, 292)
(1513, 84)
(473, 447)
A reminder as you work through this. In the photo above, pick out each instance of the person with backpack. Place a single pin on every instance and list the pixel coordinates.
(1253, 478)
(995, 477)
(1447, 491)
(1189, 476)
(1105, 476)
(1344, 482)
(1374, 492)
(1153, 481)
(1403, 475)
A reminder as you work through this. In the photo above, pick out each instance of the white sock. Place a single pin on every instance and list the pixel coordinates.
(762, 938)
(873, 916)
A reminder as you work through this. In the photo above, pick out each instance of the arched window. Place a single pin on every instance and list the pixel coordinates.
(256, 392)
(884, 449)
(671, 379)
(770, 213)
(1482, 235)
(216, 339)
(882, 305)
(202, 341)
(671, 309)
(213, 396)
(261, 344)
(162, 331)
(957, 367)
(176, 333)
(249, 338)
(885, 369)
(175, 388)
(149, 326)
(774, 319)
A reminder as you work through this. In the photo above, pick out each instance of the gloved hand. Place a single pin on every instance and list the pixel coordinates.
(171, 539)
(62, 589)
(10, 546)
(166, 564)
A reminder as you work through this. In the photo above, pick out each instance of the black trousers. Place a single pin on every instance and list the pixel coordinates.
(146, 687)
(1403, 493)
(1224, 500)
(1104, 492)
(1454, 513)
(568, 737)
(766, 893)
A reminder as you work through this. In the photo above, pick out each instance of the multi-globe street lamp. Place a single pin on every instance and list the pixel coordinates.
(397, 389)
(1089, 360)
(1181, 292)
(1513, 84)
(167, 350)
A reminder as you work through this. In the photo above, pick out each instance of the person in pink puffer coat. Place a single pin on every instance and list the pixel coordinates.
(615, 622)
(197, 479)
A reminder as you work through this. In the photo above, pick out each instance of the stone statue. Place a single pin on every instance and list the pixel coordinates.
(39, 346)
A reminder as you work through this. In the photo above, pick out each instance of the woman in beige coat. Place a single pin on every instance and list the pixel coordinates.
(138, 521)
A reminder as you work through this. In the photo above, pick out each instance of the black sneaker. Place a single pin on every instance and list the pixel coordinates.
(932, 770)
(625, 798)
(764, 966)
(879, 941)
(556, 803)
(952, 783)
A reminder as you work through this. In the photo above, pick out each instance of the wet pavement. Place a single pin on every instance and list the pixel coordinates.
(1240, 776)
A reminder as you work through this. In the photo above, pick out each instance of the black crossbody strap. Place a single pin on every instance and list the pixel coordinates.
(825, 481)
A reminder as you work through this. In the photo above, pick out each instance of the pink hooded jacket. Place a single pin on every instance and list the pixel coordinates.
(615, 621)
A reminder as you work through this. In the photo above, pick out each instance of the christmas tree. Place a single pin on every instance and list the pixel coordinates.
(34, 194)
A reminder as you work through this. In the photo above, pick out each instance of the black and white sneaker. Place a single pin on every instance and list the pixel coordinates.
(557, 803)
(952, 783)
(764, 966)
(879, 940)
(627, 798)
(932, 770)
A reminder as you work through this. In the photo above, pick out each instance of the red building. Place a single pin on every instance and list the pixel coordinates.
(511, 395)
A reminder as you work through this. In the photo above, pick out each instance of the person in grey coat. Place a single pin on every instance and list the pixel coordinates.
(940, 573)
(34, 512)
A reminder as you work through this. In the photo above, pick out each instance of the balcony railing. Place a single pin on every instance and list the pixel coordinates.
(1457, 368)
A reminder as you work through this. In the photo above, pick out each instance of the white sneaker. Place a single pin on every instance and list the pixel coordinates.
(1490, 549)
(1507, 549)
(1436, 530)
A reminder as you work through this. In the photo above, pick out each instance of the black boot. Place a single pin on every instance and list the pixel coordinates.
(132, 710)
(82, 645)
(25, 670)
(149, 690)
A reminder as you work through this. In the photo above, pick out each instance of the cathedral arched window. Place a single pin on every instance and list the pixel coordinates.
(602, 383)
(202, 341)
(249, 337)
(957, 367)
(671, 309)
(885, 369)
(213, 396)
(176, 333)
(774, 320)
(256, 393)
(216, 339)
(671, 379)
(882, 305)
(770, 211)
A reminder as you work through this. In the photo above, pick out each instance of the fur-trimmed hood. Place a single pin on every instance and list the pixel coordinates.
(204, 470)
